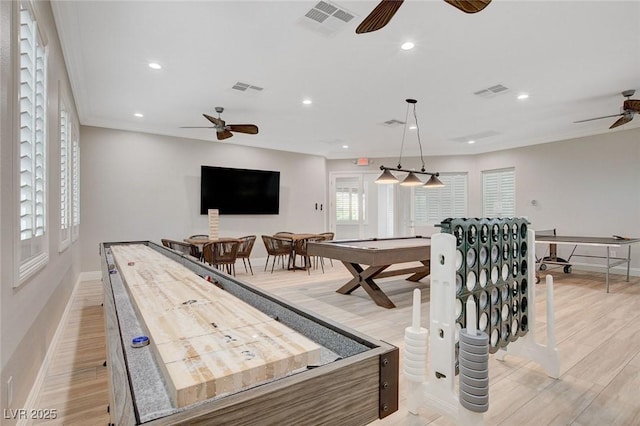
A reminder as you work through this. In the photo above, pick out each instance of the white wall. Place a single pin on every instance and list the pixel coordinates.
(138, 186)
(585, 186)
(30, 312)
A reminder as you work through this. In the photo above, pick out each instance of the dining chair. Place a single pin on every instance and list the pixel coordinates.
(203, 237)
(283, 234)
(244, 250)
(278, 248)
(326, 236)
(221, 255)
(180, 246)
(300, 249)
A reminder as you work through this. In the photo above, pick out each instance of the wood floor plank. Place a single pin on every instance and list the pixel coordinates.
(598, 342)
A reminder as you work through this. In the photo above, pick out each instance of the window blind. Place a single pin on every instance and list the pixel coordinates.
(347, 200)
(75, 184)
(65, 178)
(32, 149)
(433, 205)
(499, 193)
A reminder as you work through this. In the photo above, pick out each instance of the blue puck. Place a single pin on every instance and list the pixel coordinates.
(140, 341)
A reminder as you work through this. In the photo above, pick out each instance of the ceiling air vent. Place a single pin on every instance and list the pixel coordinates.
(393, 123)
(492, 91)
(244, 87)
(326, 18)
(476, 136)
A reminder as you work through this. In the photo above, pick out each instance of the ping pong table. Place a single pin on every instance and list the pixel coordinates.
(609, 243)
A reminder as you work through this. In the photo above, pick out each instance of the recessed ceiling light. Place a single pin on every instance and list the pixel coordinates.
(155, 65)
(413, 127)
(407, 45)
(523, 96)
(137, 114)
(345, 146)
(306, 101)
(470, 142)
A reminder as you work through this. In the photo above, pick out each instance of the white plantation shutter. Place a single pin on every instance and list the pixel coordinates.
(32, 91)
(499, 193)
(75, 183)
(65, 178)
(433, 205)
(347, 200)
(420, 205)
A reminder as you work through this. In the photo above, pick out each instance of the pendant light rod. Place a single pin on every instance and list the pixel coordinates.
(404, 130)
(415, 117)
(400, 169)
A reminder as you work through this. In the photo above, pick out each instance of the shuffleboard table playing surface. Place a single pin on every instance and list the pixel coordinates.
(206, 341)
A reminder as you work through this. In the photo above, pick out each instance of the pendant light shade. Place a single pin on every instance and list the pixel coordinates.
(411, 180)
(434, 182)
(387, 177)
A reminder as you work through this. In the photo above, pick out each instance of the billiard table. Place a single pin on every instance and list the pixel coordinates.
(377, 254)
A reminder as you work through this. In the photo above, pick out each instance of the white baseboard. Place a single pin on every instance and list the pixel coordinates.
(44, 367)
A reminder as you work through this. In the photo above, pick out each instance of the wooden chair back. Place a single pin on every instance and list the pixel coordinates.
(180, 246)
(246, 246)
(221, 253)
(327, 236)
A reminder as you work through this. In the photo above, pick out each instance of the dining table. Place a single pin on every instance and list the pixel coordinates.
(296, 239)
(202, 241)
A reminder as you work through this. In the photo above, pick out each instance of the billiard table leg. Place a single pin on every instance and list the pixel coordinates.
(364, 278)
(420, 275)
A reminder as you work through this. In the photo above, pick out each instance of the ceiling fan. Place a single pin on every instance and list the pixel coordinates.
(629, 108)
(223, 130)
(384, 11)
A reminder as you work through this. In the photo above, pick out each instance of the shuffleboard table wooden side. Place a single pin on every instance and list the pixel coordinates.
(121, 410)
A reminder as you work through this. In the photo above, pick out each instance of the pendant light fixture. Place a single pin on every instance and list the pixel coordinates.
(412, 179)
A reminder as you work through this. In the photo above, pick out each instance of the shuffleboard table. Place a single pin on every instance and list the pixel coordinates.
(220, 351)
(377, 254)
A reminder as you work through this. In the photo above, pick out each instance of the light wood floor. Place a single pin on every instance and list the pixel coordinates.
(597, 334)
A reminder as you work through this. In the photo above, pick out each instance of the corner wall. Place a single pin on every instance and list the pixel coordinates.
(138, 186)
(30, 312)
(584, 186)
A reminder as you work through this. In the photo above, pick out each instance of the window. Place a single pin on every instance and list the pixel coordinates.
(499, 193)
(348, 199)
(65, 176)
(33, 164)
(433, 205)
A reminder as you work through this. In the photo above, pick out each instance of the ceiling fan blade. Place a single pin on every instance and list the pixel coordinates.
(380, 16)
(469, 6)
(243, 128)
(622, 120)
(224, 134)
(197, 127)
(598, 118)
(632, 104)
(216, 121)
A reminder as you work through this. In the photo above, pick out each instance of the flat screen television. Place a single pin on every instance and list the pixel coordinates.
(239, 191)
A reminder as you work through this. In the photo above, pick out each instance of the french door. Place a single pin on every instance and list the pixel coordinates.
(359, 208)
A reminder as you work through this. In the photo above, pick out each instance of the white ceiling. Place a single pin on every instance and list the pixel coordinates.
(572, 57)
